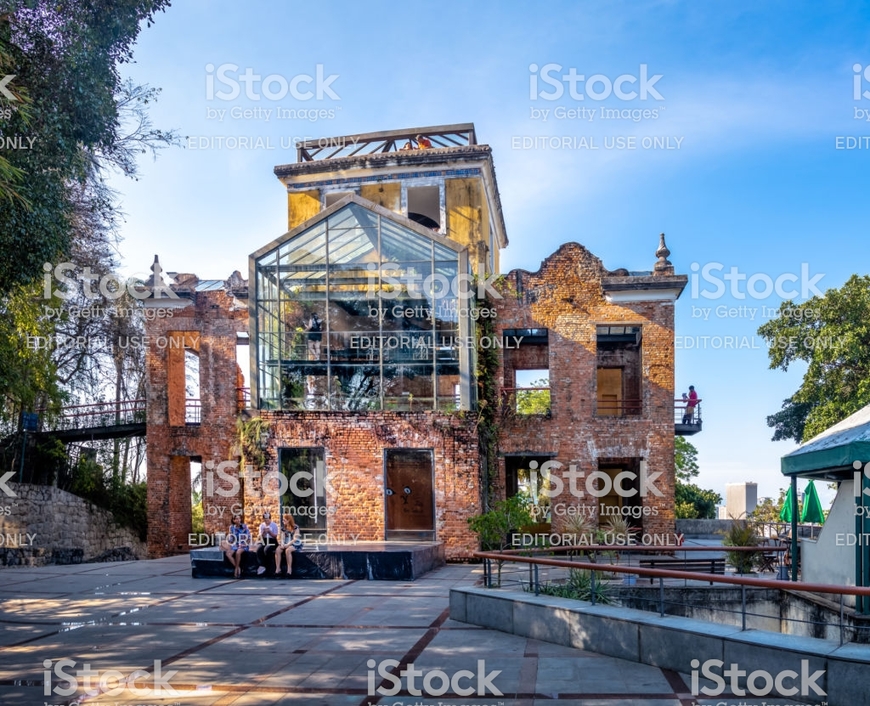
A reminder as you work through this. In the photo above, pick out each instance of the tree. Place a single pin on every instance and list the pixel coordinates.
(690, 501)
(64, 57)
(494, 528)
(685, 459)
(79, 120)
(534, 401)
(831, 334)
(768, 509)
(76, 120)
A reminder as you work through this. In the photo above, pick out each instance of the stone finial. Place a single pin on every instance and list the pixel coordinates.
(663, 265)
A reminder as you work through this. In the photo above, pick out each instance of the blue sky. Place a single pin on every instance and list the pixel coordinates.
(754, 94)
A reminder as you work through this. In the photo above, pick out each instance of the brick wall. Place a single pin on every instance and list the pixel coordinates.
(566, 297)
(210, 326)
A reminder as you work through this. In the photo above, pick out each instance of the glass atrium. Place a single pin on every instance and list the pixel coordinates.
(358, 311)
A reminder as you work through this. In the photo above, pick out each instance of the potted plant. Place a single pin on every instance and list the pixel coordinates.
(741, 534)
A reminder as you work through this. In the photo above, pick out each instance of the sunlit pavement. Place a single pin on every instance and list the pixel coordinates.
(247, 642)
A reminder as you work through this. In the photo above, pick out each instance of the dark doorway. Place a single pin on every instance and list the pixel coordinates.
(305, 499)
(409, 500)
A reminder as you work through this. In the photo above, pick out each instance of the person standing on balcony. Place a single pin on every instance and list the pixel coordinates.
(691, 403)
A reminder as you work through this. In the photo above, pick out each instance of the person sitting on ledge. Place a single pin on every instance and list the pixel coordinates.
(288, 546)
(268, 541)
(236, 543)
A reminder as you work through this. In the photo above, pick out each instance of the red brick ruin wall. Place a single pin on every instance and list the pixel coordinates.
(210, 328)
(567, 299)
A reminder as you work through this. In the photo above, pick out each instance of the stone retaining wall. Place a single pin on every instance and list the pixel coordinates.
(44, 525)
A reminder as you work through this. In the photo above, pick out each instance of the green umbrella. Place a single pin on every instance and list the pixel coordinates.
(785, 513)
(812, 510)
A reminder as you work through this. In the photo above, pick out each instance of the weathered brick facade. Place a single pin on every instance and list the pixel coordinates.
(208, 325)
(566, 304)
(354, 446)
(567, 297)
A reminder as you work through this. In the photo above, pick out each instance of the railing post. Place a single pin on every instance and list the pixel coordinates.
(486, 569)
(592, 587)
(661, 596)
(841, 619)
(537, 584)
(743, 605)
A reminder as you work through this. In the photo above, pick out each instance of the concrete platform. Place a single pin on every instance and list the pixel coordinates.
(372, 561)
(222, 642)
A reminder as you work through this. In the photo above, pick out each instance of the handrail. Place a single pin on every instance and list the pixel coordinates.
(689, 575)
(107, 404)
(758, 548)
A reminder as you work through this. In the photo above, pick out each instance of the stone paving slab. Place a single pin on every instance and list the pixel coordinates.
(302, 643)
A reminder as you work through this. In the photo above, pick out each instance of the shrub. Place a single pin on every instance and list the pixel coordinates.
(741, 534)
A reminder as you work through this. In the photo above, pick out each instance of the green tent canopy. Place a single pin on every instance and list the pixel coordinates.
(785, 513)
(812, 510)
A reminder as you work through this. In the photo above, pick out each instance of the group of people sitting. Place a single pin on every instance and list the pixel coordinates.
(273, 543)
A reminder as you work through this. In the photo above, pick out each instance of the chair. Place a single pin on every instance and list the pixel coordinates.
(767, 559)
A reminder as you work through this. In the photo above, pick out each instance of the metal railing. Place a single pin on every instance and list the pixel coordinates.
(458, 135)
(243, 398)
(619, 408)
(687, 413)
(99, 414)
(192, 411)
(533, 583)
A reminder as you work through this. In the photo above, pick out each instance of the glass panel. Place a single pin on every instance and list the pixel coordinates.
(307, 248)
(401, 314)
(353, 216)
(407, 387)
(305, 499)
(355, 386)
(400, 244)
(353, 245)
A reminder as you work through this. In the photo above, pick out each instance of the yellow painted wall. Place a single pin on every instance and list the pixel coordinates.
(467, 218)
(302, 205)
(388, 195)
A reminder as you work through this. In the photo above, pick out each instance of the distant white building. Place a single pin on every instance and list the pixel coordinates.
(740, 500)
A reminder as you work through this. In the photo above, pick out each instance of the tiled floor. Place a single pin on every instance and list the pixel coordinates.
(223, 642)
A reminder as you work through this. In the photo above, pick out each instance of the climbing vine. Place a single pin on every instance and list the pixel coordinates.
(251, 448)
(487, 402)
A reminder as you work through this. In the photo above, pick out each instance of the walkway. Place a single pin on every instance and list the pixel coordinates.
(258, 642)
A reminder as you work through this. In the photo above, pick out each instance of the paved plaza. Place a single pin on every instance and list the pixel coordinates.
(251, 642)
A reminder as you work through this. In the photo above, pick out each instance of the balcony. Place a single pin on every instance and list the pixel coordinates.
(687, 419)
(192, 412)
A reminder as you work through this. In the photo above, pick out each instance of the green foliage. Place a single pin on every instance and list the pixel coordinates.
(494, 528)
(685, 459)
(768, 509)
(534, 401)
(832, 336)
(691, 501)
(488, 404)
(250, 441)
(197, 514)
(579, 587)
(127, 502)
(64, 56)
(28, 373)
(741, 534)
